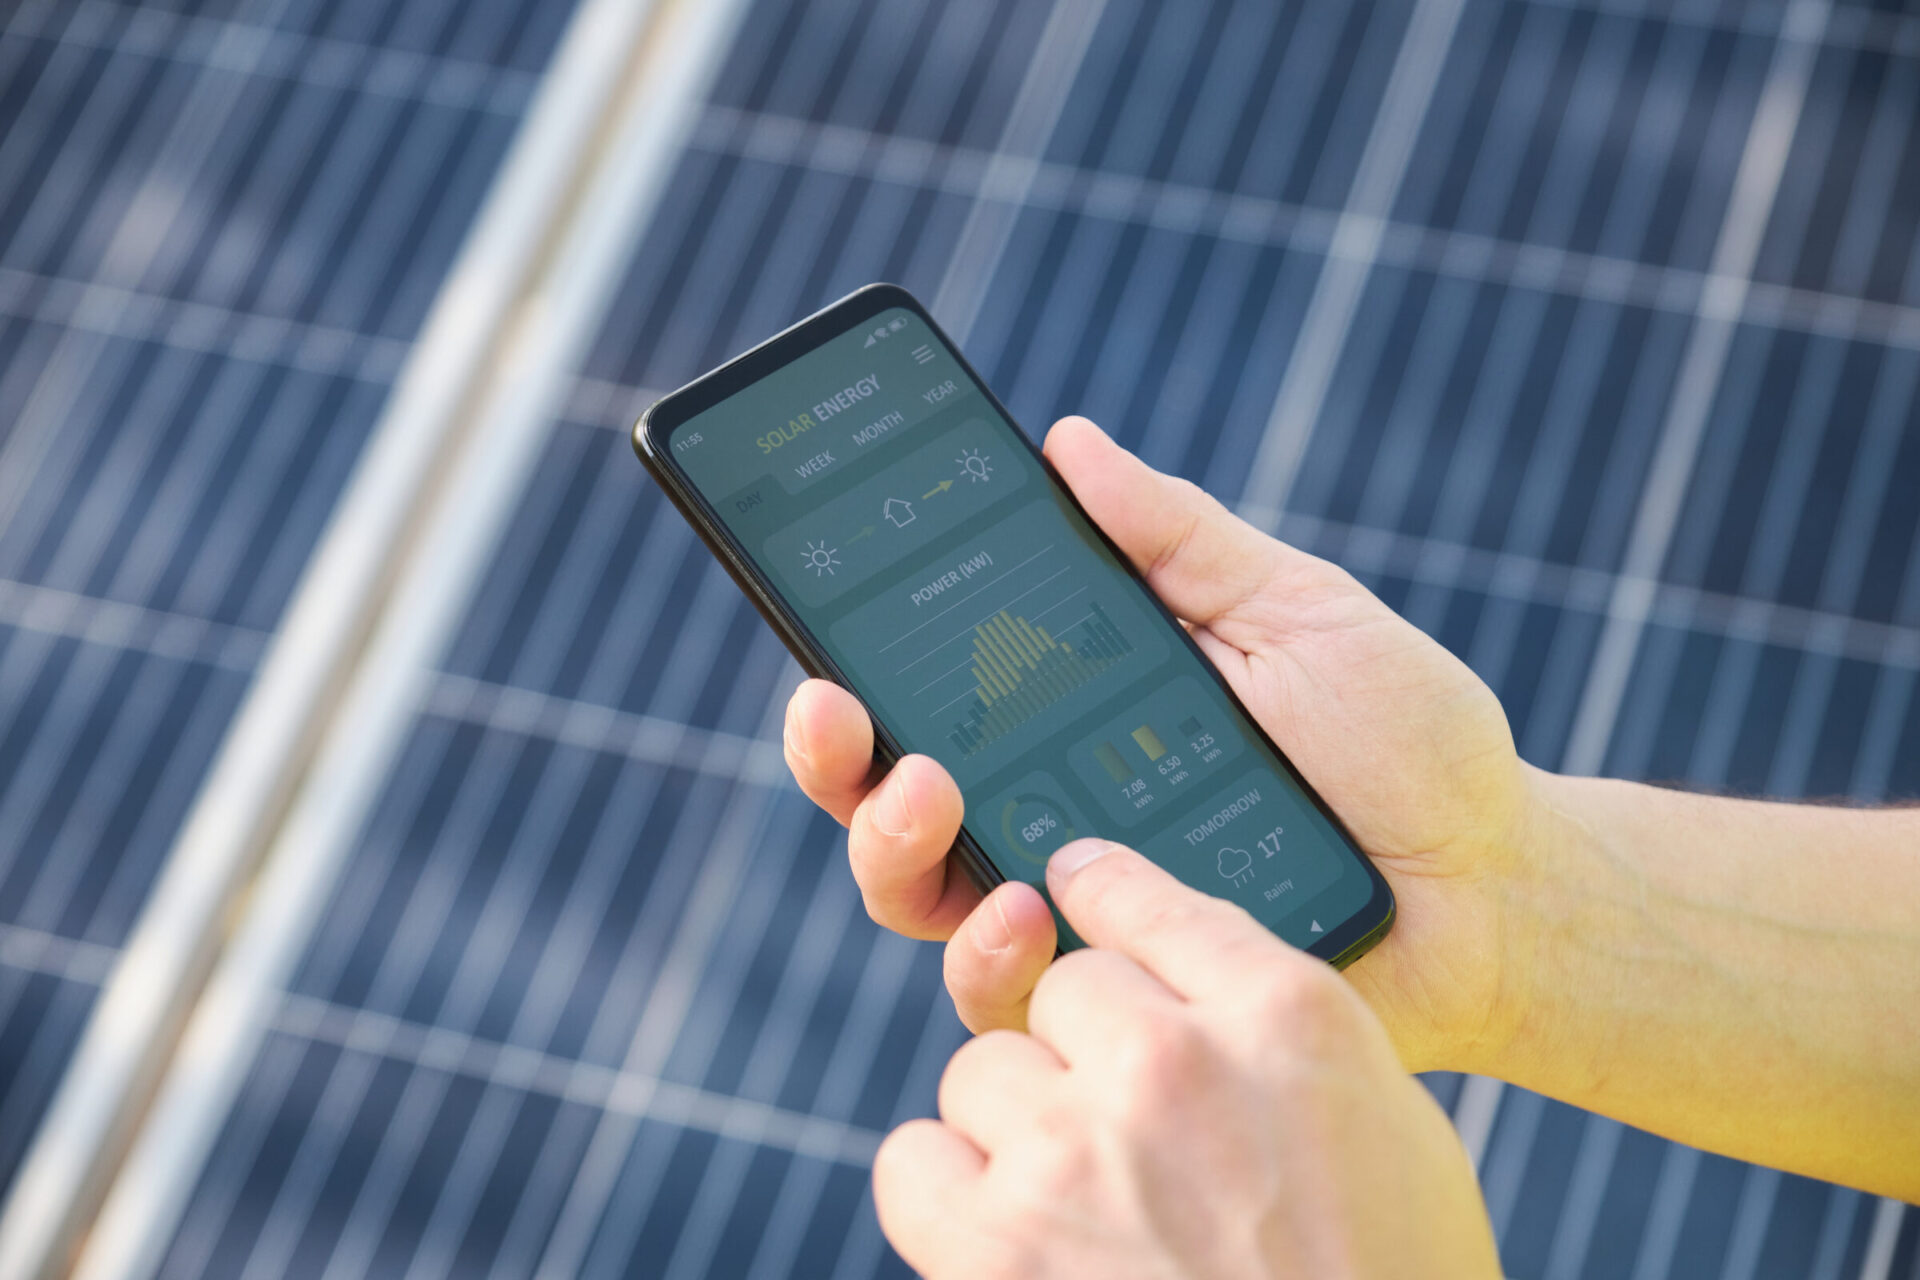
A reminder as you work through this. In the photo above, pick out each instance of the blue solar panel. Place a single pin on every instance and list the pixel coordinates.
(596, 991)
(220, 225)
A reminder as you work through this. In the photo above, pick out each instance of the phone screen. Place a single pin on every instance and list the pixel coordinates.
(906, 524)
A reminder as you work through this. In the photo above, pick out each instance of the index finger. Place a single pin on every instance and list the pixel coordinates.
(1194, 943)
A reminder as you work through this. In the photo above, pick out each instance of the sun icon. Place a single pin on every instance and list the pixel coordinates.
(974, 465)
(821, 559)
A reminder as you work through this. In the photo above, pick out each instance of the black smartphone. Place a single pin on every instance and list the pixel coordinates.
(909, 542)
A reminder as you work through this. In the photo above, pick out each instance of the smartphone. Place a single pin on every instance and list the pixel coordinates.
(909, 542)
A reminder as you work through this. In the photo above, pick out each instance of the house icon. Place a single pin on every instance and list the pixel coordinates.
(899, 511)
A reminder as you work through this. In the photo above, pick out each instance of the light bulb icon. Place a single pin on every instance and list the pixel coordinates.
(820, 558)
(974, 465)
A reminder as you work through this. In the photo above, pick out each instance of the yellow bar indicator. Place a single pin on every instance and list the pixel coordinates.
(1149, 742)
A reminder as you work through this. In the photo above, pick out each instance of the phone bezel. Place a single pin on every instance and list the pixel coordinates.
(652, 441)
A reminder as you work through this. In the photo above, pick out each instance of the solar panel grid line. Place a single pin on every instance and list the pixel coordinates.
(30, 793)
(1490, 180)
(1080, 242)
(645, 738)
(1491, 651)
(49, 900)
(86, 131)
(1869, 483)
(1884, 1241)
(1221, 297)
(1756, 184)
(1732, 690)
(574, 1236)
(1761, 166)
(23, 947)
(1889, 132)
(64, 862)
(1679, 1166)
(50, 611)
(875, 999)
(564, 956)
(478, 646)
(423, 924)
(78, 555)
(348, 273)
(323, 61)
(182, 142)
(188, 325)
(437, 1049)
(1593, 1166)
(214, 1203)
(1336, 297)
(1452, 252)
(474, 977)
(1570, 397)
(1594, 1158)
(476, 972)
(824, 918)
(529, 1218)
(212, 578)
(1031, 121)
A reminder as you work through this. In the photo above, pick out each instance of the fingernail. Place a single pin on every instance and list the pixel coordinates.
(890, 811)
(1070, 858)
(796, 744)
(995, 935)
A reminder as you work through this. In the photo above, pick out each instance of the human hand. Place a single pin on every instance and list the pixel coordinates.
(1195, 1099)
(1405, 743)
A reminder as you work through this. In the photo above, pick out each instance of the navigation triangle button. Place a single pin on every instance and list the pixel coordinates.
(1316, 927)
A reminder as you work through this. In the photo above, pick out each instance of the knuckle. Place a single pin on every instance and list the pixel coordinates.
(1306, 1003)
(1011, 1250)
(1064, 976)
(984, 1000)
(1161, 1057)
(956, 1076)
(893, 1162)
(970, 1063)
(1059, 1169)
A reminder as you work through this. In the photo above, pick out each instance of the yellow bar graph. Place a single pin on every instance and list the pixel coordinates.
(1019, 670)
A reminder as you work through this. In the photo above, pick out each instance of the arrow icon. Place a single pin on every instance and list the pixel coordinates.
(1315, 927)
(863, 533)
(942, 487)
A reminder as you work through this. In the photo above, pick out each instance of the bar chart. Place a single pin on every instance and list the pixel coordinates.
(1020, 669)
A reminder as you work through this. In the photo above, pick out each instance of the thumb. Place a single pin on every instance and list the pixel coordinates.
(1198, 557)
(1118, 901)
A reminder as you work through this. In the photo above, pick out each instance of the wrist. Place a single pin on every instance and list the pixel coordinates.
(1562, 893)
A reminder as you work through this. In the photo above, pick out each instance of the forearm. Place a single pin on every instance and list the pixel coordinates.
(1738, 975)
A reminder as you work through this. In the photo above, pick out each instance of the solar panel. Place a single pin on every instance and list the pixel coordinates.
(220, 225)
(596, 995)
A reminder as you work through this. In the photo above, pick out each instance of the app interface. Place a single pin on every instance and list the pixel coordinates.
(987, 625)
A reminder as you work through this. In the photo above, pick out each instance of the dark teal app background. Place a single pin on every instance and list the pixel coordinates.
(907, 526)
